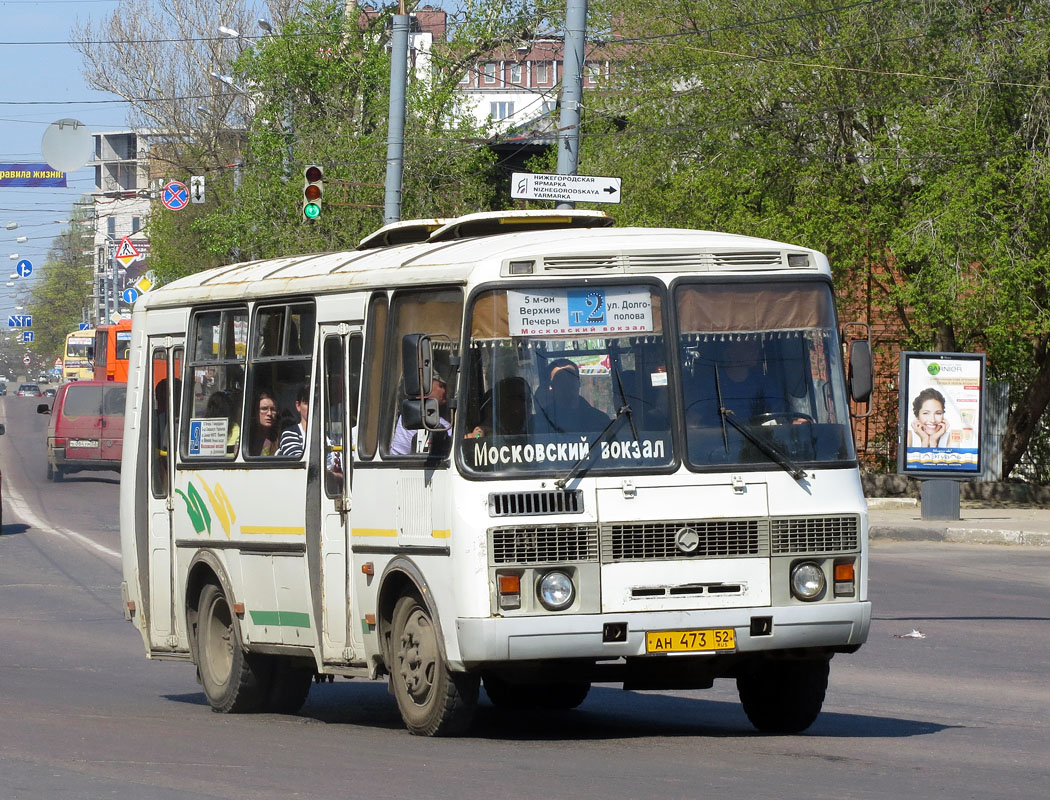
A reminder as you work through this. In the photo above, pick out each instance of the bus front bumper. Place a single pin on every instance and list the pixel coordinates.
(575, 636)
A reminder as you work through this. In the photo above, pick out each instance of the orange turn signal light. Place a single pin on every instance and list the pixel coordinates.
(510, 584)
(844, 572)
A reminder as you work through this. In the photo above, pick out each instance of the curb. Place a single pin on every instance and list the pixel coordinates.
(959, 535)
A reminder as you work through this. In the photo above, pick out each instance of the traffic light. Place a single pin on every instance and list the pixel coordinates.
(313, 191)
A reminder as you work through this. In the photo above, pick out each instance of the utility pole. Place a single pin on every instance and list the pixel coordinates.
(571, 90)
(395, 137)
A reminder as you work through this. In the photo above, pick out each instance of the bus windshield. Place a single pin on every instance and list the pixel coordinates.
(79, 347)
(765, 356)
(562, 377)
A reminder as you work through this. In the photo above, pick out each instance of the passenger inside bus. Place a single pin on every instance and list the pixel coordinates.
(293, 438)
(563, 410)
(222, 406)
(264, 435)
(506, 410)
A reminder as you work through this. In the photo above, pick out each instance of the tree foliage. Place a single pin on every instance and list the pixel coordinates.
(57, 300)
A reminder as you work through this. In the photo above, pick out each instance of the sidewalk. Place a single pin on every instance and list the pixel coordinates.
(893, 518)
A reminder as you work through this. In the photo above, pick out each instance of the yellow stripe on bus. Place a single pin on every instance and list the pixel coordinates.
(385, 532)
(276, 530)
(441, 534)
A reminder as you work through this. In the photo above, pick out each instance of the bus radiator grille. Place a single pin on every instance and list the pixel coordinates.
(814, 534)
(511, 504)
(543, 544)
(683, 539)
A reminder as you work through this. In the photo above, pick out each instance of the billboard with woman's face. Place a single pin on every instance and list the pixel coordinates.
(940, 414)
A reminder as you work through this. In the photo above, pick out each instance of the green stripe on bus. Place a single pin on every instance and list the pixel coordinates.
(289, 619)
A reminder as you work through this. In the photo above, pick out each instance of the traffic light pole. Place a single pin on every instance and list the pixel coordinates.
(395, 139)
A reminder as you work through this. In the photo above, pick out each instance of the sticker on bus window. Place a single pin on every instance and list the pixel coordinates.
(208, 437)
(550, 311)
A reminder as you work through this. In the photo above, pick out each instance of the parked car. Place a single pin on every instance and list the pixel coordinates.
(3, 389)
(49, 391)
(28, 390)
(86, 430)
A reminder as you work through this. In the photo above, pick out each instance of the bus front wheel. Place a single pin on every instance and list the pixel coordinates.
(433, 700)
(783, 696)
(233, 682)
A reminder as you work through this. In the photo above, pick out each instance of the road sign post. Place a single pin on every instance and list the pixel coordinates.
(564, 188)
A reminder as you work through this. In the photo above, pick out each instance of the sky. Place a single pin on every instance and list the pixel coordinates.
(42, 84)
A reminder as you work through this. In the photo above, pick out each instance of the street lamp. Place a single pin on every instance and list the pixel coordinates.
(11, 226)
(22, 239)
(229, 33)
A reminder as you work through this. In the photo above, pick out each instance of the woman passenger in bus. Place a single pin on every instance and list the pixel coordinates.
(265, 438)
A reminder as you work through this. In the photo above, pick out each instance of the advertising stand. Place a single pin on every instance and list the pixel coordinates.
(941, 425)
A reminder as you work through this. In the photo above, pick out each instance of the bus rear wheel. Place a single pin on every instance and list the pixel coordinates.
(782, 696)
(433, 700)
(233, 681)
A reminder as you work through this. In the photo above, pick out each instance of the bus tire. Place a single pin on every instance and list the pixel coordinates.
(550, 696)
(782, 696)
(289, 686)
(233, 681)
(433, 700)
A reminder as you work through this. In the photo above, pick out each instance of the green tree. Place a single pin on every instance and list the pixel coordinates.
(58, 296)
(317, 90)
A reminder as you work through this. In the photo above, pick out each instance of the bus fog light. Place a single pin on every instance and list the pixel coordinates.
(807, 581)
(555, 591)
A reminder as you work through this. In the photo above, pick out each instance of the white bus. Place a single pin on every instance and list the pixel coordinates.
(524, 450)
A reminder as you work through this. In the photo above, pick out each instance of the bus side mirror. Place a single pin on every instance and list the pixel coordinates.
(421, 413)
(42, 408)
(417, 360)
(861, 376)
(3, 430)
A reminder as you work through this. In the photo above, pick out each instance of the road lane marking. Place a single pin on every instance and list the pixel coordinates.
(25, 513)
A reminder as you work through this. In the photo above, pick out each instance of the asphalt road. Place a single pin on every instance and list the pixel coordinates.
(961, 712)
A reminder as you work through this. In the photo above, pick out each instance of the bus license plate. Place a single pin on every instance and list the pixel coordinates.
(690, 641)
(83, 442)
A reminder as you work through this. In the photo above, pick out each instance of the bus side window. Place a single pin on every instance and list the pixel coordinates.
(279, 367)
(375, 351)
(438, 312)
(215, 374)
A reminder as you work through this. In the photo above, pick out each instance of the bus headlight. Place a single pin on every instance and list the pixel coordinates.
(807, 581)
(555, 591)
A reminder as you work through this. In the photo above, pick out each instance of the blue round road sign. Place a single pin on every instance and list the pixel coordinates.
(130, 295)
(176, 195)
(24, 268)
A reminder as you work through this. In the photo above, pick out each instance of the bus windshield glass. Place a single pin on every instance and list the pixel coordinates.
(79, 347)
(563, 378)
(765, 356)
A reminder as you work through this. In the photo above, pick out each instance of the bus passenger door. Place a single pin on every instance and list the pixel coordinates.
(341, 377)
(165, 365)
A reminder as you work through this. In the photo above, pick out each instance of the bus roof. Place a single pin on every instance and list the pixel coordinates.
(562, 243)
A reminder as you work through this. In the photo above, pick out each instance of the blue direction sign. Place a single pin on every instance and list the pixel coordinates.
(84, 326)
(130, 295)
(20, 321)
(176, 195)
(26, 337)
(24, 268)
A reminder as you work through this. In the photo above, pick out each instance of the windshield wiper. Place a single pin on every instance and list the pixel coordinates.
(768, 448)
(624, 409)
